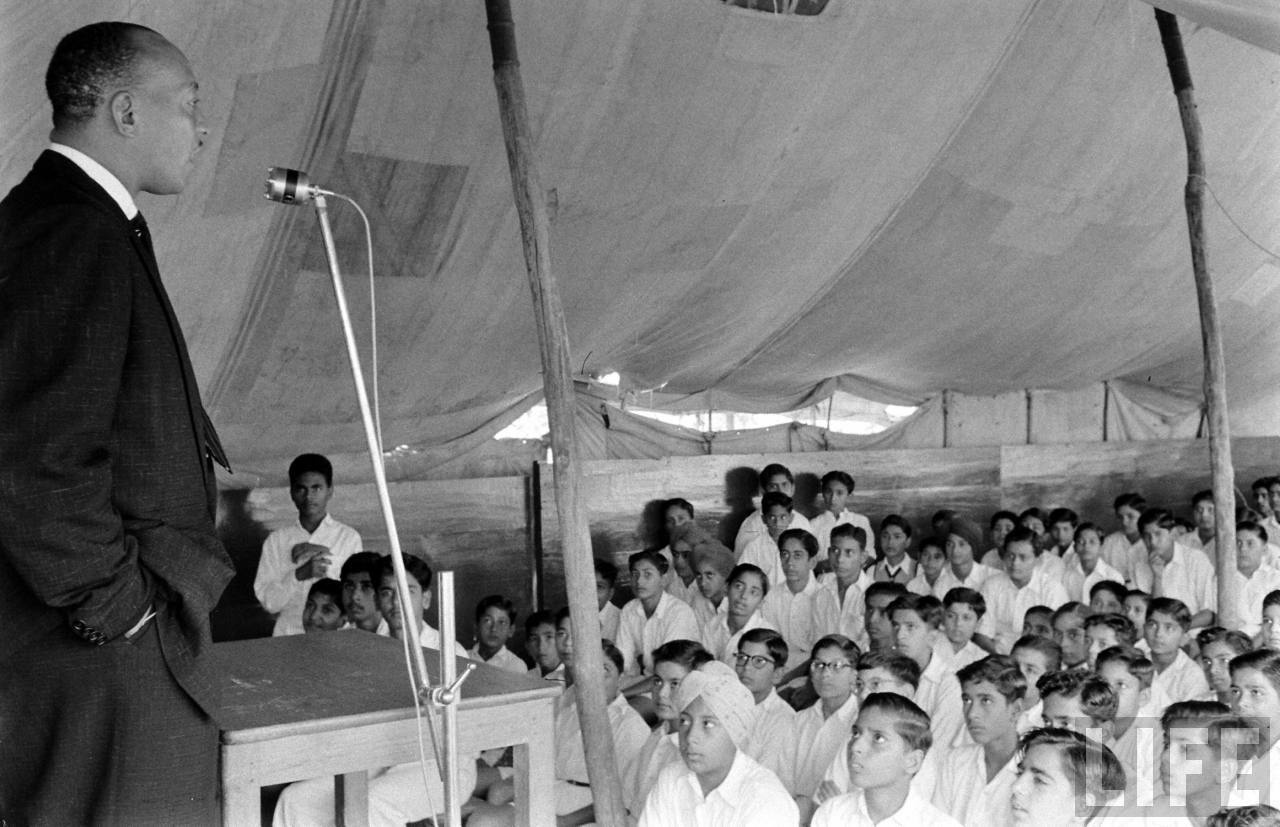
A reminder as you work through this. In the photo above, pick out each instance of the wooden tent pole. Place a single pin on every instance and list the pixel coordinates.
(1215, 381)
(553, 342)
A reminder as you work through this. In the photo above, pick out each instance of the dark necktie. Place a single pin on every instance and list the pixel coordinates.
(138, 226)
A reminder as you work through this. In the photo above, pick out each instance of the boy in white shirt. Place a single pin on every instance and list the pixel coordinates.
(717, 782)
(1084, 567)
(895, 565)
(1173, 570)
(1036, 656)
(890, 740)
(963, 610)
(540, 644)
(1008, 595)
(760, 663)
(1177, 676)
(963, 542)
(748, 588)
(929, 568)
(314, 546)
(495, 620)
(1107, 597)
(762, 549)
(1121, 549)
(1002, 522)
(837, 488)
(774, 478)
(802, 610)
(650, 619)
(917, 623)
(1255, 577)
(848, 580)
(1102, 631)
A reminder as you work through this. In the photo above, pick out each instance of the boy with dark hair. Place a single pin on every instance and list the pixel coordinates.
(1107, 597)
(837, 489)
(1217, 647)
(1204, 516)
(1062, 530)
(917, 621)
(886, 752)
(1068, 632)
(540, 643)
(1129, 672)
(495, 621)
(1038, 620)
(323, 611)
(1084, 567)
(760, 662)
(1009, 594)
(748, 588)
(1002, 522)
(930, 565)
(802, 610)
(606, 583)
(848, 580)
(1122, 548)
(1135, 606)
(1177, 676)
(420, 577)
(877, 625)
(774, 479)
(1079, 701)
(776, 510)
(976, 780)
(652, 617)
(1262, 496)
(313, 546)
(1171, 570)
(963, 610)
(1102, 631)
(360, 575)
(1254, 577)
(1036, 657)
(894, 566)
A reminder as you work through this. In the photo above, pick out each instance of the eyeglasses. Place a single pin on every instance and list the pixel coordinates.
(821, 666)
(757, 661)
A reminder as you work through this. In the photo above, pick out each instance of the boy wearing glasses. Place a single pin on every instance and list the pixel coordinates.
(824, 727)
(760, 662)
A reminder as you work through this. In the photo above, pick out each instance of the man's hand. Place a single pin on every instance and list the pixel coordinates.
(313, 560)
(1157, 563)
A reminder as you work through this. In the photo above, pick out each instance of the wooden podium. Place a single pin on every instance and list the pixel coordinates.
(339, 704)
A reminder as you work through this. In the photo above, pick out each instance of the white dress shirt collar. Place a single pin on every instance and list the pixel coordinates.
(101, 176)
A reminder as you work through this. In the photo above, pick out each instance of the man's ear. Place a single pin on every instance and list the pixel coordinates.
(123, 116)
(914, 761)
(426, 599)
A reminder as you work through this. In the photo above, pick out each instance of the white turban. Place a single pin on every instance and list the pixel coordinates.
(719, 688)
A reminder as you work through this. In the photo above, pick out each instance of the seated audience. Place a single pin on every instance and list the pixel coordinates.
(540, 644)
(1068, 632)
(1217, 648)
(929, 569)
(495, 621)
(712, 565)
(652, 617)
(916, 622)
(1038, 620)
(717, 782)
(975, 780)
(313, 546)
(1063, 778)
(682, 580)
(1036, 656)
(1177, 676)
(672, 663)
(1255, 684)
(1123, 548)
(1102, 631)
(1002, 522)
(1085, 568)
(1009, 594)
(760, 664)
(1205, 748)
(963, 609)
(1134, 739)
(822, 728)
(894, 565)
(879, 629)
(1079, 701)
(360, 575)
(419, 575)
(1171, 570)
(848, 578)
(1135, 606)
(963, 543)
(1107, 597)
(748, 588)
(801, 610)
(323, 611)
(1062, 524)
(762, 550)
(886, 751)
(1204, 517)
(837, 489)
(1255, 577)
(774, 479)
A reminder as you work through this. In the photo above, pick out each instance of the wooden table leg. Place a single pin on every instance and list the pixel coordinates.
(535, 790)
(351, 799)
(241, 798)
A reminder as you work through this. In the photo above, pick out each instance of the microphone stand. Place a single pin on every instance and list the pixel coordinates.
(445, 696)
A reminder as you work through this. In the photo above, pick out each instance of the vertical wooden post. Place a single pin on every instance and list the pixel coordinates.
(1215, 377)
(553, 342)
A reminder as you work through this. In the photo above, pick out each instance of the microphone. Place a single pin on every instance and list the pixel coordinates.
(291, 186)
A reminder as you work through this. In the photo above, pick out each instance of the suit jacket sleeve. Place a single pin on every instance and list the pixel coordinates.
(65, 304)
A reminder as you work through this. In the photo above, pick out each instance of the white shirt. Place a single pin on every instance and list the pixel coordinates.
(1117, 550)
(277, 586)
(817, 741)
(754, 526)
(978, 575)
(629, 734)
(1250, 592)
(969, 653)
(1078, 584)
(723, 643)
(1181, 680)
(761, 551)
(772, 741)
(1188, 576)
(610, 616)
(920, 585)
(902, 573)
(661, 750)
(821, 525)
(850, 810)
(503, 659)
(964, 792)
(639, 635)
(923, 784)
(1007, 604)
(853, 608)
(705, 613)
(939, 695)
(749, 796)
(428, 637)
(802, 617)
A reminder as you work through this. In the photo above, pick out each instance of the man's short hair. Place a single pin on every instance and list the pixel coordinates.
(1072, 607)
(1234, 638)
(750, 568)
(1193, 713)
(1001, 671)
(910, 722)
(1157, 516)
(842, 477)
(1123, 627)
(542, 617)
(1173, 607)
(775, 469)
(310, 463)
(1117, 590)
(688, 654)
(1046, 646)
(772, 498)
(680, 503)
(854, 532)
(896, 520)
(613, 653)
(414, 567)
(648, 556)
(778, 650)
(902, 668)
(970, 597)
(888, 588)
(1021, 534)
(1135, 662)
(363, 561)
(1064, 515)
(1131, 499)
(1002, 515)
(1088, 526)
(607, 570)
(1097, 699)
(927, 607)
(328, 587)
(87, 64)
(806, 539)
(1202, 496)
(496, 601)
(1256, 528)
(846, 646)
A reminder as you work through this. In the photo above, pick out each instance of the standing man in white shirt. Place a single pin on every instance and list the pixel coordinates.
(298, 555)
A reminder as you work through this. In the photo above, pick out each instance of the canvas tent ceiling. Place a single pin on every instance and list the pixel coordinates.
(895, 197)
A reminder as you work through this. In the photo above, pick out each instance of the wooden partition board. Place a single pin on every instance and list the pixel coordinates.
(477, 528)
(622, 495)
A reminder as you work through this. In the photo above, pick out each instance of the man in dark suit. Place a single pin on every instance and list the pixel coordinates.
(109, 564)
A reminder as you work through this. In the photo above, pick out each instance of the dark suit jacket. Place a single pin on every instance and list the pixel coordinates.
(107, 491)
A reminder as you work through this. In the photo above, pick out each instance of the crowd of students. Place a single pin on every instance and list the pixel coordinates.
(1048, 672)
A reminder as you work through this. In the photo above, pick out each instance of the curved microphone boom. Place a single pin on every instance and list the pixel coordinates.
(291, 186)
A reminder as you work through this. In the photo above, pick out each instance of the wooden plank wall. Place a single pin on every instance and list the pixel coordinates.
(478, 528)
(623, 496)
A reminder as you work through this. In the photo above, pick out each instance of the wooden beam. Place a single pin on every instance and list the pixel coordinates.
(1215, 381)
(553, 343)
